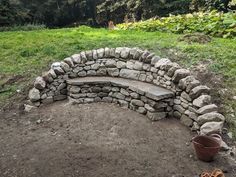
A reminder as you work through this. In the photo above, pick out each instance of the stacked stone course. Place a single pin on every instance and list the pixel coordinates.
(191, 102)
(122, 95)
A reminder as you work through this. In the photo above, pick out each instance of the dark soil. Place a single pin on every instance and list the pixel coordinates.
(97, 140)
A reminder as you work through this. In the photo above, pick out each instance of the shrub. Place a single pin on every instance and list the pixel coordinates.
(211, 23)
(27, 27)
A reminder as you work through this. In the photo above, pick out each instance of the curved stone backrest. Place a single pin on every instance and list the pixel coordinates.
(192, 103)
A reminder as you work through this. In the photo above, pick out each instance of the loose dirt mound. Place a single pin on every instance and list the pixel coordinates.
(196, 38)
(97, 140)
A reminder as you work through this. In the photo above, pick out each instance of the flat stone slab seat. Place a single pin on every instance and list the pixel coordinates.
(145, 98)
(133, 78)
(149, 90)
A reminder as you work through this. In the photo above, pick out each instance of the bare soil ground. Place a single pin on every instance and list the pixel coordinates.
(97, 140)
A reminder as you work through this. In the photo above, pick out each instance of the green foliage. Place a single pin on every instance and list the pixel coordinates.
(28, 27)
(58, 13)
(117, 10)
(49, 12)
(6, 13)
(208, 5)
(212, 23)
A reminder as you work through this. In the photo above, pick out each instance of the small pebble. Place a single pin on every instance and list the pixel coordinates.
(39, 121)
(230, 135)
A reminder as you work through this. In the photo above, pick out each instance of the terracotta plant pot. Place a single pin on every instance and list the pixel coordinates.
(206, 147)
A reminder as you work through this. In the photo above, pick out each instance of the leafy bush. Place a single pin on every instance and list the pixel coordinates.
(28, 27)
(211, 23)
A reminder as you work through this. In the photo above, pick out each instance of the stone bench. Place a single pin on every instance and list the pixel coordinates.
(192, 101)
(145, 98)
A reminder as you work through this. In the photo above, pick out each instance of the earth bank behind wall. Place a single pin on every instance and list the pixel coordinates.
(191, 104)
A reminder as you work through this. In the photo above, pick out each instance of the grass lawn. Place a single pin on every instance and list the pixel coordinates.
(29, 53)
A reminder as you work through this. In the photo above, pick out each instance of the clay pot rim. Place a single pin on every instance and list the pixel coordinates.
(215, 147)
(207, 137)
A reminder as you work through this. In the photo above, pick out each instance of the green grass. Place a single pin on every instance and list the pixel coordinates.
(30, 53)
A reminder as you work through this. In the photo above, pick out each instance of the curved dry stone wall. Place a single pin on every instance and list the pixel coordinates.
(190, 101)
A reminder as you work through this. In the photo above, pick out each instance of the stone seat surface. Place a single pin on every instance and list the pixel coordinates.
(147, 89)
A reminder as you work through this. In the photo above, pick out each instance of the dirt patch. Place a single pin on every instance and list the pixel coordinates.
(8, 80)
(97, 140)
(196, 38)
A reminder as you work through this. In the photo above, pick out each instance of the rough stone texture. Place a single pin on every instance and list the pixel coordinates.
(121, 64)
(110, 63)
(107, 52)
(124, 52)
(52, 73)
(202, 101)
(180, 74)
(34, 95)
(100, 53)
(132, 53)
(83, 57)
(101, 72)
(113, 72)
(112, 52)
(207, 109)
(188, 83)
(138, 65)
(189, 99)
(179, 108)
(59, 70)
(154, 60)
(130, 64)
(177, 114)
(195, 127)
(210, 117)
(186, 96)
(48, 100)
(69, 61)
(47, 77)
(82, 74)
(172, 70)
(62, 86)
(148, 59)
(134, 95)
(39, 83)
(124, 92)
(89, 54)
(186, 120)
(191, 115)
(123, 103)
(161, 62)
(65, 67)
(137, 103)
(197, 91)
(149, 108)
(211, 127)
(118, 51)
(107, 99)
(76, 58)
(29, 108)
(131, 74)
(91, 73)
(144, 55)
(75, 89)
(155, 116)
(141, 110)
(95, 66)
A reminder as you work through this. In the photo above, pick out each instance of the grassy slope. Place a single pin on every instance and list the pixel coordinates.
(29, 53)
